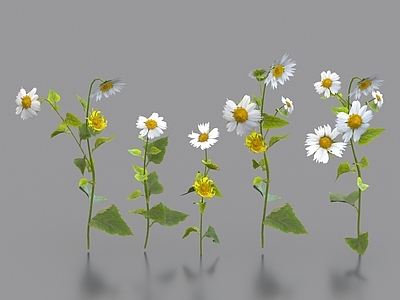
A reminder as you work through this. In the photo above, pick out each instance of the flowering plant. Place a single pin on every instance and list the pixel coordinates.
(250, 120)
(352, 123)
(28, 106)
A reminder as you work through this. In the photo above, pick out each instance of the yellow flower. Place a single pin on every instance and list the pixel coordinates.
(96, 121)
(255, 142)
(204, 187)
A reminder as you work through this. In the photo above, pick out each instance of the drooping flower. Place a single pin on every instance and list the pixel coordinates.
(204, 187)
(206, 138)
(280, 71)
(366, 86)
(355, 123)
(255, 142)
(288, 104)
(244, 116)
(108, 88)
(153, 126)
(322, 143)
(329, 84)
(27, 104)
(96, 121)
(378, 98)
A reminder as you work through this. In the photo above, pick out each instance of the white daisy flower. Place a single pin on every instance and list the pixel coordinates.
(322, 143)
(329, 84)
(244, 117)
(206, 138)
(378, 98)
(108, 88)
(366, 86)
(28, 105)
(355, 123)
(280, 71)
(288, 104)
(152, 126)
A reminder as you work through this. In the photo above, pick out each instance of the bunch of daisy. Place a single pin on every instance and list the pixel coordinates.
(154, 151)
(352, 125)
(250, 120)
(28, 106)
(203, 185)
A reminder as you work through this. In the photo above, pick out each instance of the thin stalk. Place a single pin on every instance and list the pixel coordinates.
(201, 232)
(359, 190)
(146, 193)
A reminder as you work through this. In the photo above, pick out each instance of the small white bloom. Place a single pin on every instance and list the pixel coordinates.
(153, 126)
(355, 123)
(108, 88)
(206, 138)
(366, 86)
(329, 83)
(28, 105)
(280, 71)
(378, 98)
(288, 104)
(244, 116)
(322, 142)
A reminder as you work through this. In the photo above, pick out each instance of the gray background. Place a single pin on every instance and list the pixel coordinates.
(183, 59)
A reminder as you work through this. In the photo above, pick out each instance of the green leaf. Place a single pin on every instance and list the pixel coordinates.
(154, 150)
(189, 230)
(164, 216)
(211, 234)
(283, 112)
(81, 164)
(83, 181)
(88, 191)
(202, 206)
(53, 98)
(62, 128)
(140, 175)
(270, 122)
(363, 163)
(358, 244)
(209, 164)
(154, 186)
(136, 194)
(138, 211)
(110, 221)
(83, 103)
(256, 100)
(273, 198)
(135, 152)
(72, 120)
(255, 164)
(362, 186)
(217, 192)
(349, 199)
(84, 132)
(372, 105)
(274, 139)
(369, 135)
(161, 144)
(339, 109)
(101, 140)
(284, 219)
(190, 190)
(343, 168)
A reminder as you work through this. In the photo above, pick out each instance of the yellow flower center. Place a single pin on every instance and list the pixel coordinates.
(288, 104)
(256, 145)
(26, 102)
(255, 142)
(203, 137)
(204, 187)
(151, 124)
(106, 86)
(96, 121)
(326, 83)
(378, 97)
(354, 121)
(278, 71)
(325, 142)
(364, 84)
(240, 115)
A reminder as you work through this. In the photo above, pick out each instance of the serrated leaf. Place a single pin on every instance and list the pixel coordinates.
(62, 128)
(284, 219)
(255, 164)
(161, 144)
(53, 97)
(88, 191)
(270, 122)
(362, 186)
(138, 211)
(349, 199)
(153, 185)
(80, 163)
(190, 190)
(136, 194)
(363, 163)
(189, 230)
(343, 168)
(164, 216)
(101, 140)
(274, 139)
(369, 135)
(359, 244)
(209, 164)
(339, 109)
(83, 102)
(72, 120)
(211, 234)
(372, 105)
(84, 132)
(135, 152)
(154, 150)
(110, 221)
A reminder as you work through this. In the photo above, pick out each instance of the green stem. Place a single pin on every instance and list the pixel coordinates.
(201, 232)
(146, 194)
(359, 190)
